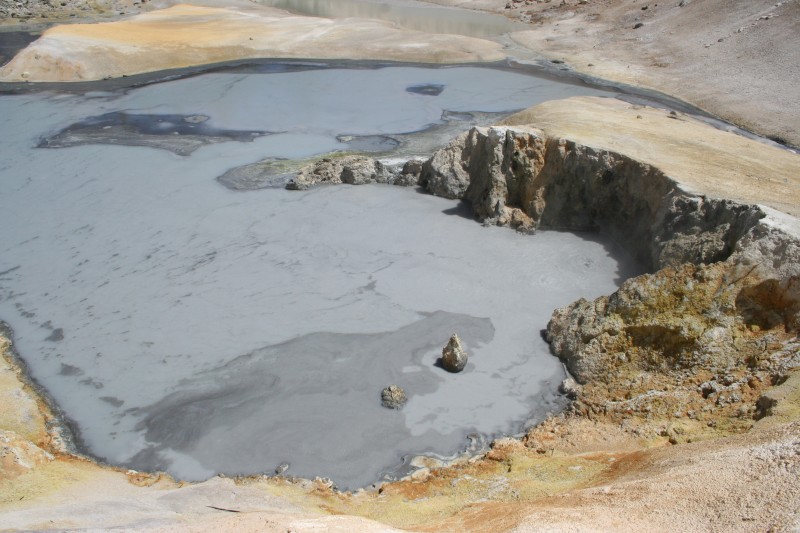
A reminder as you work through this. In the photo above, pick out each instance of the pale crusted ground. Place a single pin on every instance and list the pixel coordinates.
(745, 483)
(735, 59)
(185, 35)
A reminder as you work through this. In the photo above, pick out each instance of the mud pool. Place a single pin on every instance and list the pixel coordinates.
(188, 327)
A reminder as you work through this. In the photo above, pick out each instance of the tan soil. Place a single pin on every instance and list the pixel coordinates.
(735, 59)
(185, 35)
(25, 419)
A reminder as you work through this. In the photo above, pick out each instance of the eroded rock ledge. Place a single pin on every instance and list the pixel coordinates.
(519, 176)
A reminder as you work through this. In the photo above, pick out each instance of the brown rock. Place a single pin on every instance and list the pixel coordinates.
(393, 397)
(18, 455)
(454, 358)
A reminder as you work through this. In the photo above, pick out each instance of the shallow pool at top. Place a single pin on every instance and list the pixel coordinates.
(187, 327)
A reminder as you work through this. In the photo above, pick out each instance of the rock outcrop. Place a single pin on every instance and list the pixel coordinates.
(454, 357)
(693, 343)
(518, 176)
(393, 397)
(353, 170)
(716, 317)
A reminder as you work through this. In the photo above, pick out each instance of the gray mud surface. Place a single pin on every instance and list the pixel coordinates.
(178, 322)
(313, 402)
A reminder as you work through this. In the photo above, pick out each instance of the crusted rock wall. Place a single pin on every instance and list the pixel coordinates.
(354, 169)
(696, 345)
(518, 176)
